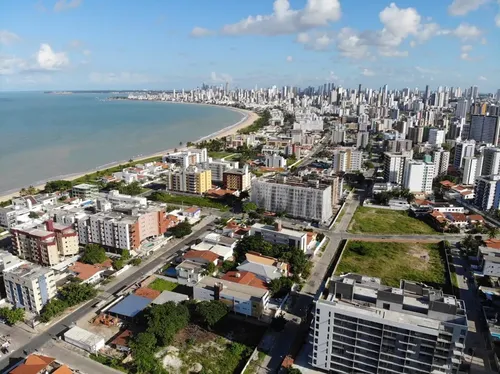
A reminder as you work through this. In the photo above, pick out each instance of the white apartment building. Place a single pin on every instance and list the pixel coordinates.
(29, 286)
(218, 167)
(436, 136)
(278, 235)
(304, 200)
(418, 176)
(441, 160)
(9, 215)
(187, 158)
(470, 170)
(362, 139)
(394, 165)
(362, 326)
(308, 122)
(462, 150)
(487, 192)
(275, 161)
(116, 198)
(85, 191)
(489, 161)
(347, 160)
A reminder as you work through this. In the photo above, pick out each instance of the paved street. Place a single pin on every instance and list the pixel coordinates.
(36, 342)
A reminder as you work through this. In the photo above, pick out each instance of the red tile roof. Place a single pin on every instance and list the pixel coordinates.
(475, 217)
(493, 243)
(34, 364)
(244, 277)
(123, 338)
(147, 293)
(458, 217)
(206, 255)
(86, 271)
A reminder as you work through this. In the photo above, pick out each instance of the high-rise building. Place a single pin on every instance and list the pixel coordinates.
(237, 179)
(418, 176)
(436, 136)
(191, 180)
(441, 160)
(462, 150)
(416, 134)
(362, 139)
(303, 200)
(487, 192)
(394, 166)
(347, 160)
(470, 170)
(462, 108)
(489, 160)
(46, 246)
(29, 286)
(362, 326)
(484, 129)
(399, 145)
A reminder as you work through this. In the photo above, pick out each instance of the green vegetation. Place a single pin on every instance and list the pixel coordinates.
(182, 229)
(383, 198)
(394, 261)
(118, 263)
(108, 361)
(280, 286)
(386, 221)
(28, 191)
(133, 188)
(165, 197)
(136, 261)
(58, 185)
(93, 254)
(211, 312)
(12, 316)
(160, 284)
(299, 264)
(220, 154)
(258, 124)
(70, 295)
(254, 365)
(213, 145)
(165, 320)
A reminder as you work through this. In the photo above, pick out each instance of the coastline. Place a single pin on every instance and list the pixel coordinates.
(247, 120)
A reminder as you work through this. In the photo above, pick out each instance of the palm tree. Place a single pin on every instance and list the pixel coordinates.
(492, 232)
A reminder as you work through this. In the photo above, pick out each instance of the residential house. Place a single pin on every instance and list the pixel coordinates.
(489, 260)
(38, 364)
(90, 274)
(189, 272)
(265, 268)
(201, 257)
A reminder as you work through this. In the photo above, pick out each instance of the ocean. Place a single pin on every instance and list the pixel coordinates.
(43, 136)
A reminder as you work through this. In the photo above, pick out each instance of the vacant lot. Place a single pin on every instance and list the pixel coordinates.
(161, 285)
(221, 154)
(221, 351)
(386, 221)
(394, 261)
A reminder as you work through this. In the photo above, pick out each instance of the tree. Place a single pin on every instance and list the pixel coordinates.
(165, 320)
(280, 286)
(293, 371)
(94, 254)
(125, 254)
(12, 316)
(33, 215)
(211, 268)
(133, 188)
(76, 293)
(492, 232)
(144, 341)
(211, 312)
(58, 185)
(227, 266)
(181, 230)
(249, 207)
(136, 261)
(52, 309)
(118, 263)
(250, 244)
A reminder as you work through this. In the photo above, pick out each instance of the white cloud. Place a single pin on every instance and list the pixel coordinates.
(7, 37)
(462, 7)
(481, 78)
(400, 22)
(87, 52)
(47, 59)
(316, 41)
(285, 20)
(62, 5)
(466, 48)
(199, 32)
(465, 32)
(10, 65)
(220, 78)
(497, 20)
(289, 59)
(122, 77)
(368, 73)
(333, 77)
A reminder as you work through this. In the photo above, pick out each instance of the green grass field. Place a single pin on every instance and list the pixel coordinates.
(394, 261)
(221, 154)
(386, 221)
(161, 285)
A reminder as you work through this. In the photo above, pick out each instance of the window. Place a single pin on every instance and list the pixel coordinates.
(386, 306)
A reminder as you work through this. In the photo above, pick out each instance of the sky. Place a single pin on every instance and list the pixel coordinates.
(175, 44)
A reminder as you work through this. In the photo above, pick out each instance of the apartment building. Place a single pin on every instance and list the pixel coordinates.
(441, 160)
(116, 198)
(29, 286)
(487, 192)
(191, 180)
(237, 179)
(362, 326)
(278, 235)
(46, 246)
(218, 167)
(484, 129)
(436, 137)
(399, 145)
(362, 139)
(489, 161)
(416, 134)
(275, 161)
(394, 165)
(347, 160)
(187, 158)
(85, 191)
(471, 170)
(290, 195)
(462, 150)
(418, 176)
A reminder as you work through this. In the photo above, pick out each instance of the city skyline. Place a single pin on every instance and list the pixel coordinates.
(82, 44)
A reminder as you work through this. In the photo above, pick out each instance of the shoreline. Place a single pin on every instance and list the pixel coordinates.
(247, 120)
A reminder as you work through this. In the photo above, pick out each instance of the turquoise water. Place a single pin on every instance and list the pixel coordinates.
(43, 136)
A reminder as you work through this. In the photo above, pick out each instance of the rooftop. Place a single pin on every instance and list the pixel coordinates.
(122, 338)
(205, 255)
(85, 271)
(31, 271)
(130, 306)
(147, 293)
(284, 231)
(36, 364)
(167, 296)
(244, 277)
(233, 289)
(81, 335)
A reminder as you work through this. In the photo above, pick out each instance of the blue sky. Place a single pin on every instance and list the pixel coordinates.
(154, 44)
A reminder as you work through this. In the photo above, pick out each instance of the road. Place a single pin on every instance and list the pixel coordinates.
(38, 341)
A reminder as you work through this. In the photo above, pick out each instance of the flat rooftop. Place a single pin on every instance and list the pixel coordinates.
(283, 231)
(236, 290)
(29, 270)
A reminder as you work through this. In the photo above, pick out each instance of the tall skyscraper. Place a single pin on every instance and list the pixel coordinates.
(462, 150)
(462, 108)
(484, 129)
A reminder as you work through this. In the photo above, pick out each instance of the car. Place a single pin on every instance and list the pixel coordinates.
(2, 320)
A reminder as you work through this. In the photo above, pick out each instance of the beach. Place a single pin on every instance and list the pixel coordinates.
(249, 118)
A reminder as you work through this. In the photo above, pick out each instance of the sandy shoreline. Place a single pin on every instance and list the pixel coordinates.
(249, 118)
